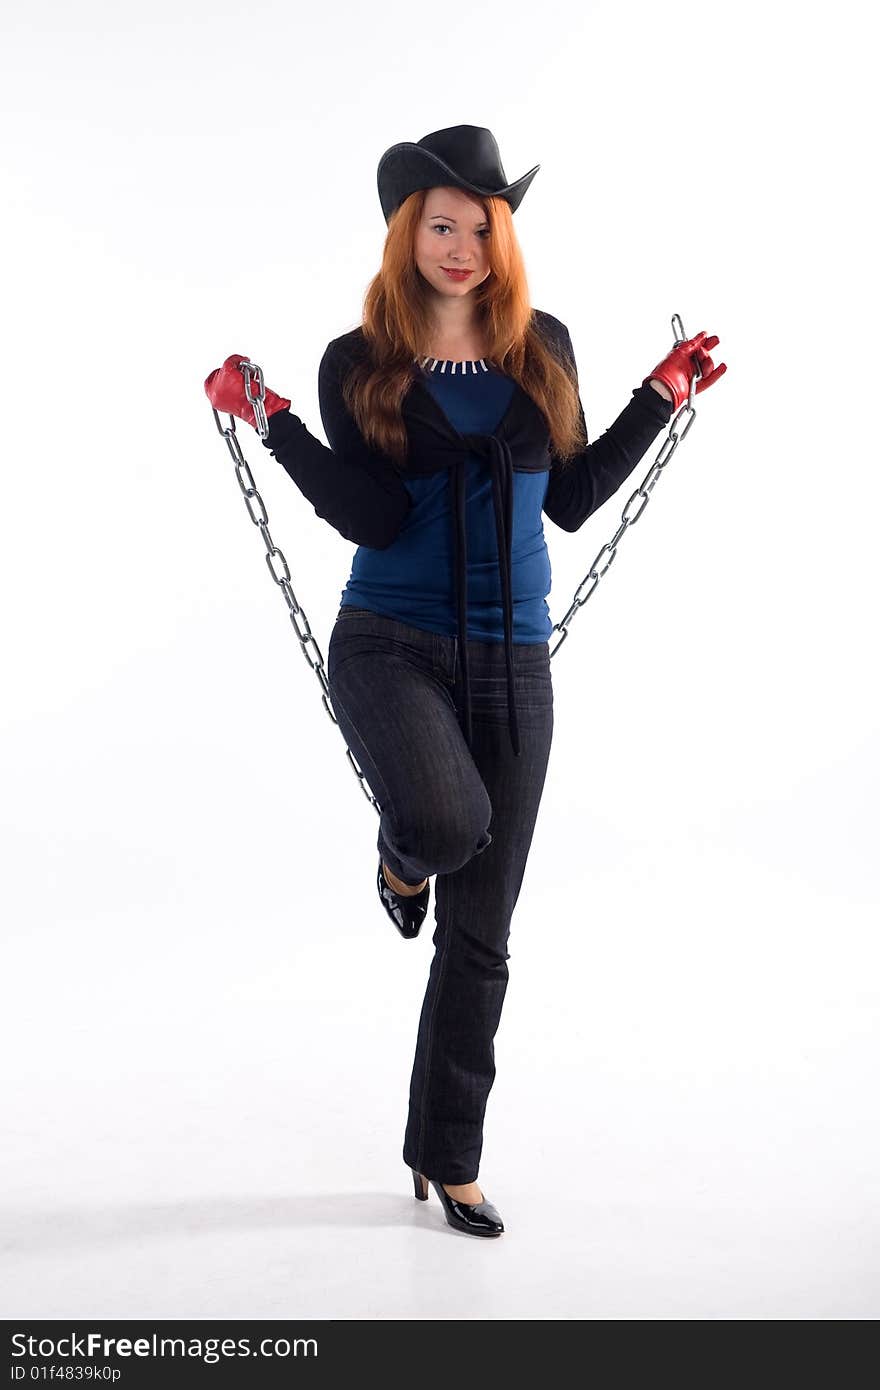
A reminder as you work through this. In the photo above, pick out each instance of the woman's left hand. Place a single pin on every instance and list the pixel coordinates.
(680, 365)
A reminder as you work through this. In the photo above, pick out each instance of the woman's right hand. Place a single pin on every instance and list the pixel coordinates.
(225, 390)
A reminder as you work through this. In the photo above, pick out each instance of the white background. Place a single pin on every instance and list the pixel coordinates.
(209, 1020)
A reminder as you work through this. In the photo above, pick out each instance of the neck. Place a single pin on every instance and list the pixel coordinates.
(455, 321)
(457, 344)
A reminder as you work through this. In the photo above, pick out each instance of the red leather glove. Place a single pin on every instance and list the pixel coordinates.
(677, 368)
(225, 390)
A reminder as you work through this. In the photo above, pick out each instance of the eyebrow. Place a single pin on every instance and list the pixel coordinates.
(447, 218)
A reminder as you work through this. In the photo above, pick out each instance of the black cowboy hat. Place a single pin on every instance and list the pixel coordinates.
(463, 156)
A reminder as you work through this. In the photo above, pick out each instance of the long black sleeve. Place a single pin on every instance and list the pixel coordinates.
(355, 488)
(579, 487)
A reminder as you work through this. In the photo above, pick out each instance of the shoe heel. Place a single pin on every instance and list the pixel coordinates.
(420, 1184)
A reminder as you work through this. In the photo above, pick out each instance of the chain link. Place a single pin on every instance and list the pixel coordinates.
(280, 571)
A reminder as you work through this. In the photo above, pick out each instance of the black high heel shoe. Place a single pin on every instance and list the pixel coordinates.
(482, 1219)
(406, 912)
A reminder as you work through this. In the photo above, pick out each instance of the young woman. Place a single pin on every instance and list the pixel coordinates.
(454, 421)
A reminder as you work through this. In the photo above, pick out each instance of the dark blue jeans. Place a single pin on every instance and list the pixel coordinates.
(466, 817)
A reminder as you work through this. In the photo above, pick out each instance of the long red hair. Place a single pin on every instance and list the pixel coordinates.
(397, 326)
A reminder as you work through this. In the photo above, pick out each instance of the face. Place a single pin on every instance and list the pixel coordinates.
(453, 233)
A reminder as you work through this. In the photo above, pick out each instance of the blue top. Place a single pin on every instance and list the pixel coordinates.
(412, 579)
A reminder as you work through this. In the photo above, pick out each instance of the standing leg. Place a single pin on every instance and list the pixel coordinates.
(454, 1066)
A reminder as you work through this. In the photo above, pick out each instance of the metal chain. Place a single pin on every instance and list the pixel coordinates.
(643, 492)
(258, 515)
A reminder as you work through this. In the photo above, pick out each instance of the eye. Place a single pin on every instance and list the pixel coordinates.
(484, 231)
